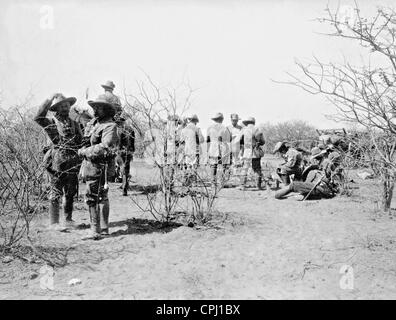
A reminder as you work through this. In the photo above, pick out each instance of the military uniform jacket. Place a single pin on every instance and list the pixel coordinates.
(66, 137)
(219, 139)
(103, 140)
(236, 137)
(252, 139)
(191, 137)
(293, 159)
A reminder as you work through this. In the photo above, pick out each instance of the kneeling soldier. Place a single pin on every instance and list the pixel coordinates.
(292, 165)
(321, 181)
(98, 157)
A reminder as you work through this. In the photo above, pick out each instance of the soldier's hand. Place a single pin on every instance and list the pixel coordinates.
(54, 96)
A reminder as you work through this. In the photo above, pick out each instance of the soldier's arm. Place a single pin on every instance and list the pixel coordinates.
(200, 136)
(41, 116)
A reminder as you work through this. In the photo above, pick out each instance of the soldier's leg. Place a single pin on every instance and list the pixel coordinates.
(247, 163)
(125, 173)
(256, 164)
(70, 188)
(213, 169)
(54, 198)
(92, 200)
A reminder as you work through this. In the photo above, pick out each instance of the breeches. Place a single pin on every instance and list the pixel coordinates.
(254, 163)
(305, 187)
(95, 192)
(63, 184)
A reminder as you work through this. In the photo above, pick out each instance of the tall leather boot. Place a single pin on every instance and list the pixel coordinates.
(283, 192)
(68, 208)
(104, 217)
(259, 182)
(54, 212)
(94, 232)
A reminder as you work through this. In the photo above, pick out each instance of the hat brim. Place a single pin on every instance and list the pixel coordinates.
(245, 122)
(107, 87)
(217, 118)
(71, 100)
(95, 104)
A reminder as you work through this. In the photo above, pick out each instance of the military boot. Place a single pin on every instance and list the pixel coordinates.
(104, 217)
(283, 192)
(94, 232)
(259, 183)
(54, 212)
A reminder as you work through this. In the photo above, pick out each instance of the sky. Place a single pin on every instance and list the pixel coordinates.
(229, 51)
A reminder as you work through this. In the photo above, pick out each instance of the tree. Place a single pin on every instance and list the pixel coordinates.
(362, 94)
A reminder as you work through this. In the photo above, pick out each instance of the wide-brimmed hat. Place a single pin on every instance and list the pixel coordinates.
(59, 99)
(317, 152)
(278, 146)
(102, 100)
(217, 116)
(193, 117)
(234, 116)
(249, 120)
(108, 85)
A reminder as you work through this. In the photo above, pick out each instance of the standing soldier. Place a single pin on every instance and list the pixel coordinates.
(235, 130)
(292, 165)
(190, 139)
(218, 138)
(251, 141)
(126, 148)
(62, 161)
(110, 96)
(98, 157)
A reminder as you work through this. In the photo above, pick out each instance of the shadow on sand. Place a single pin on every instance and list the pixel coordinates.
(142, 226)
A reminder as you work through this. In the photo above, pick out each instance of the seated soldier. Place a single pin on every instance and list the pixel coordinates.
(292, 164)
(321, 181)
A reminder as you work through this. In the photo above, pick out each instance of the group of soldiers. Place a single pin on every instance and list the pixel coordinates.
(87, 147)
(98, 149)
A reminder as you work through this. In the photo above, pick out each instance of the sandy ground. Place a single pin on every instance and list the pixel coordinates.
(262, 249)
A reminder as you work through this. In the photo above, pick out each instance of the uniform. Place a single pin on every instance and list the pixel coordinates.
(292, 166)
(62, 161)
(219, 140)
(98, 158)
(191, 139)
(251, 141)
(235, 143)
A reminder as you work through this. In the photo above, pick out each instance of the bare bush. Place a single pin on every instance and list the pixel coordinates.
(22, 174)
(160, 111)
(363, 95)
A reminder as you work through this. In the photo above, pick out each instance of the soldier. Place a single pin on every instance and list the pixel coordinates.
(235, 130)
(292, 166)
(126, 148)
(190, 139)
(110, 96)
(321, 181)
(62, 161)
(251, 141)
(98, 157)
(218, 138)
